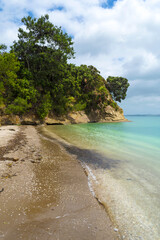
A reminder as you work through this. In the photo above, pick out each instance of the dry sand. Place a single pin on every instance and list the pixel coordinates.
(44, 191)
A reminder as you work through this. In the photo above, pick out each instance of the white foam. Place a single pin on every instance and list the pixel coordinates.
(91, 174)
(91, 177)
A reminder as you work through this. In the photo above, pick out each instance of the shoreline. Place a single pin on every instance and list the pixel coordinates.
(122, 181)
(90, 161)
(46, 192)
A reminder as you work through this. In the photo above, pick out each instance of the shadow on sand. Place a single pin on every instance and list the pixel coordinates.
(92, 157)
(87, 156)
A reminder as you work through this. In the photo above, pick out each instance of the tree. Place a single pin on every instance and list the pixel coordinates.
(118, 87)
(91, 92)
(44, 49)
(3, 47)
(8, 69)
(16, 95)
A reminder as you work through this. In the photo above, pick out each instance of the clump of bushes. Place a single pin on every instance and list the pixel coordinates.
(19, 106)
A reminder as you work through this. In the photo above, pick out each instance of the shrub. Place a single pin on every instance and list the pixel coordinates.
(114, 105)
(19, 106)
(45, 106)
(80, 106)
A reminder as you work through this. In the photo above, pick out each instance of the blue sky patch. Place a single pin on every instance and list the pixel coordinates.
(1, 6)
(17, 21)
(59, 8)
(108, 4)
(80, 19)
(30, 14)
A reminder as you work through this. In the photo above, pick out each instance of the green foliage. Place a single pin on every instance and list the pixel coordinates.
(114, 105)
(3, 47)
(8, 66)
(8, 74)
(45, 106)
(24, 89)
(44, 50)
(79, 106)
(90, 90)
(16, 95)
(2, 90)
(19, 106)
(118, 87)
(35, 75)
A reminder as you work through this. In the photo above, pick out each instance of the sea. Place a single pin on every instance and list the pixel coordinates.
(123, 164)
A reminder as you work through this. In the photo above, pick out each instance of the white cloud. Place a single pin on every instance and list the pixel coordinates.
(123, 40)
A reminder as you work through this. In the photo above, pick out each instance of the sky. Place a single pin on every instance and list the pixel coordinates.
(118, 37)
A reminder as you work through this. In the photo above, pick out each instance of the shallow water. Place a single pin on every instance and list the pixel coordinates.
(127, 170)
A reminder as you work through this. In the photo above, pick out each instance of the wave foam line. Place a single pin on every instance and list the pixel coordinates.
(91, 177)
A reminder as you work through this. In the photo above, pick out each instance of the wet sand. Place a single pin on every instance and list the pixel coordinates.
(44, 191)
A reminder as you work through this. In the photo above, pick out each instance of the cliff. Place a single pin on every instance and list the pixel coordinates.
(109, 115)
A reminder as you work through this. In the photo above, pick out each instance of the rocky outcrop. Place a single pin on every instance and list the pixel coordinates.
(9, 120)
(17, 120)
(109, 115)
(71, 118)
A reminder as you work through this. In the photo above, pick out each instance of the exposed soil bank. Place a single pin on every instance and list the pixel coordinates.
(45, 192)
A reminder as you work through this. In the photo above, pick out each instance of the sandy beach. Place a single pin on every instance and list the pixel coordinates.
(44, 191)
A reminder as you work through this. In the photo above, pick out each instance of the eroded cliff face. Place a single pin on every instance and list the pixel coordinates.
(109, 115)
(17, 120)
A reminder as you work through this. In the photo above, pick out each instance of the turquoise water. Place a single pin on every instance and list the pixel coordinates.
(136, 141)
(134, 184)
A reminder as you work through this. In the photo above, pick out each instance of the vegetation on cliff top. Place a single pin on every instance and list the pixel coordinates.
(35, 76)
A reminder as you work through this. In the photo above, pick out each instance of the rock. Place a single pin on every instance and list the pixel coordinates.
(10, 120)
(54, 121)
(115, 229)
(78, 117)
(18, 120)
(15, 159)
(33, 161)
(30, 120)
(129, 179)
(109, 115)
(2, 190)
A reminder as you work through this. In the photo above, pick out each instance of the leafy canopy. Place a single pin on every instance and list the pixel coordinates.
(15, 94)
(44, 50)
(91, 85)
(118, 87)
